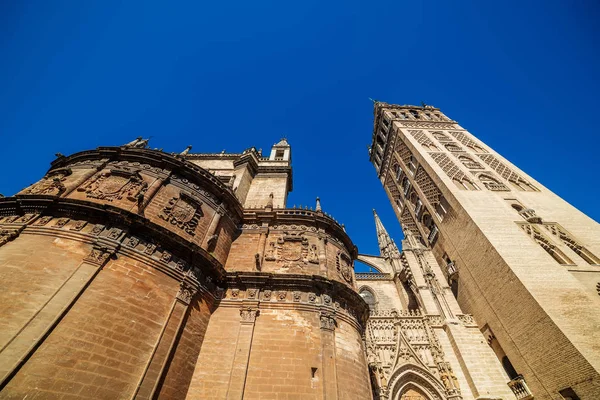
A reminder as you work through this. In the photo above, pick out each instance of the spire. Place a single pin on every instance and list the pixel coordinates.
(318, 206)
(387, 247)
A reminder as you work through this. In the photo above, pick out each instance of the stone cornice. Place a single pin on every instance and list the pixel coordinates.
(177, 165)
(291, 216)
(343, 296)
(117, 217)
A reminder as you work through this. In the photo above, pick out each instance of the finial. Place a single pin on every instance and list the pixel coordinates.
(344, 227)
(133, 142)
(374, 101)
(187, 150)
(59, 155)
(141, 144)
(318, 207)
(223, 151)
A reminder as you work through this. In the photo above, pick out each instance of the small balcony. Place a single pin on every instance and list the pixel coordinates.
(451, 269)
(520, 388)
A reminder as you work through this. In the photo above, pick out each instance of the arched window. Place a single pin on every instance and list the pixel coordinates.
(469, 162)
(492, 183)
(453, 147)
(441, 137)
(369, 298)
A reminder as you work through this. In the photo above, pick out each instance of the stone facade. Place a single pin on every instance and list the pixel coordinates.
(130, 273)
(420, 345)
(517, 257)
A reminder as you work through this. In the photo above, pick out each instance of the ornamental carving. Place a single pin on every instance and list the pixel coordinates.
(235, 293)
(132, 241)
(98, 256)
(281, 295)
(61, 222)
(78, 225)
(292, 250)
(43, 221)
(401, 340)
(98, 228)
(114, 233)
(328, 321)
(51, 184)
(267, 294)
(187, 291)
(248, 314)
(7, 235)
(115, 185)
(183, 212)
(297, 296)
(344, 266)
(165, 257)
(252, 293)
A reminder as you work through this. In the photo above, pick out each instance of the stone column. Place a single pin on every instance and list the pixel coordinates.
(239, 369)
(14, 354)
(84, 179)
(214, 224)
(328, 324)
(151, 192)
(156, 367)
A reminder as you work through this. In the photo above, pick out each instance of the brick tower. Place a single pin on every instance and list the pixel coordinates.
(520, 259)
(131, 273)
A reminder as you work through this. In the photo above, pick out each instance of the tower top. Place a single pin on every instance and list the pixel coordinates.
(387, 247)
(281, 151)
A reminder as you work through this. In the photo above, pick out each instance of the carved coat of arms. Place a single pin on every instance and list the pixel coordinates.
(344, 266)
(115, 185)
(292, 250)
(183, 212)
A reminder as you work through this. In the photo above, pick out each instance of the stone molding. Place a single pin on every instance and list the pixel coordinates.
(136, 236)
(157, 163)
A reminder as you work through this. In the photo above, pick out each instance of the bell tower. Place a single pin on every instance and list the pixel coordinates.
(520, 259)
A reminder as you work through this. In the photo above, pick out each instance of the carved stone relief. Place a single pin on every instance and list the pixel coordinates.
(51, 184)
(183, 212)
(344, 266)
(98, 256)
(115, 185)
(187, 291)
(292, 250)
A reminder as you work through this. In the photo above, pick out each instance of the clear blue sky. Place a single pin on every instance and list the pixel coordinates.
(522, 76)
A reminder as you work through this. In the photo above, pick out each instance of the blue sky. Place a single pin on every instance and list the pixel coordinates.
(522, 76)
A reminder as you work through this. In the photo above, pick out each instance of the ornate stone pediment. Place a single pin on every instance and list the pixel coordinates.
(184, 212)
(114, 185)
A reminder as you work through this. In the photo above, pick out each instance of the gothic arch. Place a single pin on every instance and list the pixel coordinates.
(369, 296)
(413, 376)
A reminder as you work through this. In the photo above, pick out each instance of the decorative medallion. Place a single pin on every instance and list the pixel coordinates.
(183, 212)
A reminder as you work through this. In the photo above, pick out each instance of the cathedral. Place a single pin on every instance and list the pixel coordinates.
(132, 273)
